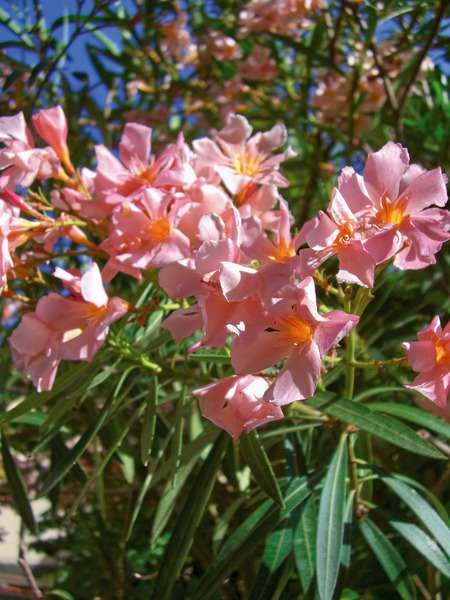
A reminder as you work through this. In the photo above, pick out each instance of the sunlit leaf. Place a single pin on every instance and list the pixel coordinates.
(330, 527)
(381, 425)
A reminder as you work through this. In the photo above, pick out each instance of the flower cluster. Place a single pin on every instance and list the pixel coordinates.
(210, 217)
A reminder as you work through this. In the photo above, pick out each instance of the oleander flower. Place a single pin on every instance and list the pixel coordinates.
(65, 328)
(430, 357)
(236, 404)
(240, 159)
(292, 328)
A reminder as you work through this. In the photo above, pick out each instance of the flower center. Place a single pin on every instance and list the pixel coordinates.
(87, 312)
(282, 253)
(344, 235)
(246, 164)
(391, 213)
(293, 330)
(442, 352)
(159, 230)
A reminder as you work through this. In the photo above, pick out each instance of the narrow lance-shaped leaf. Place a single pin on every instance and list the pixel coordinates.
(331, 522)
(177, 438)
(148, 426)
(68, 461)
(383, 426)
(278, 548)
(424, 545)
(305, 535)
(17, 488)
(260, 466)
(422, 509)
(252, 532)
(414, 415)
(347, 534)
(389, 558)
(190, 516)
(168, 499)
(75, 380)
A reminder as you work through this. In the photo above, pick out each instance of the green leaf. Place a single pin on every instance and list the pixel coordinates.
(331, 522)
(74, 381)
(305, 536)
(211, 357)
(413, 414)
(177, 438)
(168, 499)
(424, 545)
(17, 488)
(424, 511)
(278, 548)
(258, 461)
(148, 426)
(383, 426)
(68, 461)
(246, 538)
(347, 530)
(390, 559)
(183, 534)
(102, 464)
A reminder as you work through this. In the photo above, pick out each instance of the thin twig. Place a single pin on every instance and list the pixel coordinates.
(26, 568)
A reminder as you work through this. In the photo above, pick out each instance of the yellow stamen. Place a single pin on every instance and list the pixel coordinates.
(442, 353)
(293, 330)
(391, 213)
(159, 230)
(246, 164)
(344, 235)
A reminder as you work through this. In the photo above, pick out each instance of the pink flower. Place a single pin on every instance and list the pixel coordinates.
(240, 159)
(294, 329)
(21, 161)
(430, 357)
(39, 360)
(145, 235)
(6, 262)
(51, 125)
(392, 198)
(236, 404)
(337, 233)
(71, 328)
(140, 170)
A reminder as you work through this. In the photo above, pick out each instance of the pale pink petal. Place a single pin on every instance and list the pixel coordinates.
(355, 264)
(135, 145)
(324, 234)
(180, 279)
(426, 189)
(92, 288)
(433, 385)
(384, 170)
(264, 351)
(183, 322)
(272, 139)
(236, 130)
(238, 282)
(15, 127)
(382, 246)
(421, 355)
(298, 378)
(337, 324)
